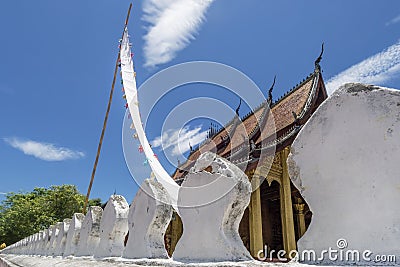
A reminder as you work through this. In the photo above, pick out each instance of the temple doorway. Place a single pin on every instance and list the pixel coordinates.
(271, 216)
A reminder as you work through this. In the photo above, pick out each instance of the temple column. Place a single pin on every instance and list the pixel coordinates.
(300, 219)
(255, 220)
(289, 240)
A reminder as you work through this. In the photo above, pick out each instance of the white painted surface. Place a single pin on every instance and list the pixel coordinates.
(148, 220)
(38, 243)
(345, 162)
(210, 231)
(73, 234)
(29, 261)
(55, 231)
(47, 248)
(90, 232)
(43, 242)
(113, 228)
(62, 238)
(28, 244)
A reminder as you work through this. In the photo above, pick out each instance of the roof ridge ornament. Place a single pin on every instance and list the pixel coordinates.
(191, 148)
(296, 117)
(318, 60)
(269, 99)
(238, 108)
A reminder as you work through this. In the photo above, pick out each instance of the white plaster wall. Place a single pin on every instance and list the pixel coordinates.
(149, 216)
(345, 162)
(113, 228)
(27, 261)
(23, 248)
(62, 238)
(53, 240)
(47, 250)
(90, 232)
(38, 243)
(43, 242)
(211, 206)
(27, 245)
(73, 234)
(33, 244)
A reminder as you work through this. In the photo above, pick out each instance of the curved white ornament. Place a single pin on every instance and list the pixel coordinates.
(345, 162)
(90, 232)
(129, 82)
(210, 232)
(149, 217)
(113, 228)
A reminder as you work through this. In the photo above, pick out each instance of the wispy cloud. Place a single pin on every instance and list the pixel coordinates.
(178, 139)
(2, 193)
(172, 26)
(43, 151)
(377, 69)
(393, 21)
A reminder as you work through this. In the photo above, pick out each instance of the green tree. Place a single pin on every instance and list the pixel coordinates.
(23, 214)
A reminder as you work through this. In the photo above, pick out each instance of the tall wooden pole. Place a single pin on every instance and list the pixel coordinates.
(105, 118)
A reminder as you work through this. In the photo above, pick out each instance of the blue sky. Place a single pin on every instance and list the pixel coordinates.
(57, 61)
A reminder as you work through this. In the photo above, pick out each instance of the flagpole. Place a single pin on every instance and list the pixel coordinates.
(105, 118)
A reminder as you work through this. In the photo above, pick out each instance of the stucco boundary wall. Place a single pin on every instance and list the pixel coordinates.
(124, 233)
(5, 263)
(104, 235)
(41, 261)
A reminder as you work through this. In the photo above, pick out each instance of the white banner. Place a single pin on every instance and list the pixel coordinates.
(129, 82)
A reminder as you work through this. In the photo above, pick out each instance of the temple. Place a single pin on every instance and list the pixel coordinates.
(277, 215)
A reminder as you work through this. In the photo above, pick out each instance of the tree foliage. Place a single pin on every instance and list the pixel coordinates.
(23, 214)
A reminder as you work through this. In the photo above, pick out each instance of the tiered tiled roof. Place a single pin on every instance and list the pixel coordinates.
(282, 110)
(279, 125)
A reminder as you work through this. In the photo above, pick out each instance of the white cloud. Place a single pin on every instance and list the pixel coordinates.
(43, 151)
(1, 193)
(172, 26)
(178, 139)
(377, 69)
(393, 21)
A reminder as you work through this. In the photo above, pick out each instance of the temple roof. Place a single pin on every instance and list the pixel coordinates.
(279, 123)
(283, 109)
